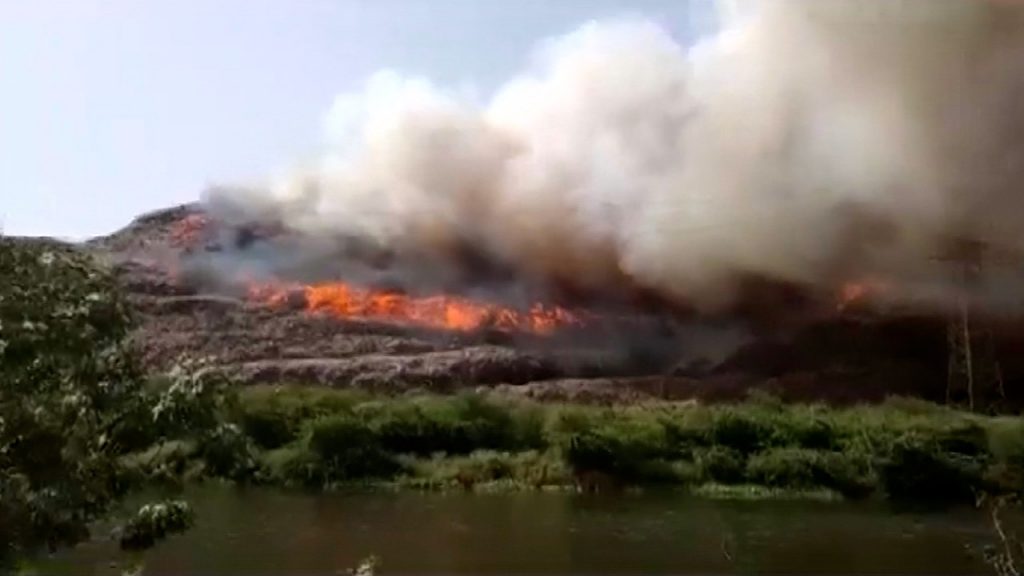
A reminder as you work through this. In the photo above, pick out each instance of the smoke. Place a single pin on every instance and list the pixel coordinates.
(808, 142)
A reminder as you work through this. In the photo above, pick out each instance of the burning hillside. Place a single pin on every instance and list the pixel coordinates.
(714, 179)
(196, 233)
(629, 207)
(344, 334)
(441, 312)
(798, 145)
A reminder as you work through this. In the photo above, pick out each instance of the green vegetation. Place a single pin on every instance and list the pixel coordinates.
(74, 404)
(906, 450)
(154, 522)
(755, 492)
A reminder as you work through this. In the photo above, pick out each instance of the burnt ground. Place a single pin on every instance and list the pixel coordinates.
(841, 359)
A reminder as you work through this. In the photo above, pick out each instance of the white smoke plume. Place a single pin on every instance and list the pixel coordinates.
(808, 141)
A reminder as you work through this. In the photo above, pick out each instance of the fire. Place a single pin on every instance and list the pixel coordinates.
(271, 294)
(444, 312)
(854, 292)
(188, 231)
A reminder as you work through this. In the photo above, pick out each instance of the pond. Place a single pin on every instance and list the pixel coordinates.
(257, 531)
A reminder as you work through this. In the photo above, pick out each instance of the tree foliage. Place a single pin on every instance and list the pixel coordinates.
(68, 380)
(73, 398)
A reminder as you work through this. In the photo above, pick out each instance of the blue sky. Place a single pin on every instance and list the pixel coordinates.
(114, 107)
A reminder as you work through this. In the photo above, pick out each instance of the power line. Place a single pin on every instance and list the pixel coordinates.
(968, 372)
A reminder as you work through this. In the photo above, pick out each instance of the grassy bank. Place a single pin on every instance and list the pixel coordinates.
(904, 450)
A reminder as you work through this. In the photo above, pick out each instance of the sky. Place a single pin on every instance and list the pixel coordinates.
(111, 108)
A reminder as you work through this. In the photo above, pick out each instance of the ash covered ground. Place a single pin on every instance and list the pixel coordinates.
(844, 356)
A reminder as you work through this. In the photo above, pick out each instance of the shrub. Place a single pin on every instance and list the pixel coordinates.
(721, 464)
(481, 424)
(483, 466)
(348, 449)
(570, 420)
(153, 522)
(801, 428)
(800, 468)
(228, 453)
(593, 451)
(965, 438)
(914, 406)
(456, 425)
(918, 470)
(620, 447)
(1006, 440)
(294, 465)
(529, 469)
(734, 429)
(787, 468)
(528, 428)
(764, 441)
(269, 426)
(684, 437)
(404, 428)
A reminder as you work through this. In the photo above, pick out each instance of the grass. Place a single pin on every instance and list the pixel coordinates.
(486, 468)
(756, 492)
(903, 449)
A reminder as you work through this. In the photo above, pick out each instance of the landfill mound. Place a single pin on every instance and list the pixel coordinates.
(850, 357)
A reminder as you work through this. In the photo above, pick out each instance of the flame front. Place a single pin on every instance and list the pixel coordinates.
(443, 312)
(855, 292)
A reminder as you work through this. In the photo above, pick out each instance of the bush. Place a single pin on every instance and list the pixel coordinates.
(594, 451)
(799, 468)
(721, 464)
(743, 432)
(685, 436)
(482, 466)
(399, 427)
(1006, 440)
(620, 447)
(965, 438)
(918, 470)
(154, 522)
(480, 424)
(787, 468)
(228, 453)
(294, 465)
(528, 428)
(348, 449)
(776, 445)
(799, 428)
(457, 425)
(268, 426)
(524, 469)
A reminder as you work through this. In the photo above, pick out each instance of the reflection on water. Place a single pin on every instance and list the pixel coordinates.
(271, 532)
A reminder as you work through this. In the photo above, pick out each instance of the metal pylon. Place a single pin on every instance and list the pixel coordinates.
(972, 367)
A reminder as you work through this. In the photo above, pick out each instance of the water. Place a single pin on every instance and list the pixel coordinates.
(272, 532)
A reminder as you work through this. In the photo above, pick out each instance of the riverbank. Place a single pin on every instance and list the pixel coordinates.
(319, 438)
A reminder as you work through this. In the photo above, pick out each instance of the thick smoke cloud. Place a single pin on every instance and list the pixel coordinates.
(811, 142)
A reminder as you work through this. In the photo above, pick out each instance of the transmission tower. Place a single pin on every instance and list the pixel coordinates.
(973, 369)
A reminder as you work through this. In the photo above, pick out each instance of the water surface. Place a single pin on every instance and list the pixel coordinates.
(257, 531)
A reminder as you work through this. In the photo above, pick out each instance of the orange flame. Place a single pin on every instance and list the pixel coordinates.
(855, 292)
(188, 231)
(443, 312)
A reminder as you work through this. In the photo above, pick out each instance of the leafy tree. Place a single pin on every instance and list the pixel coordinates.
(73, 398)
